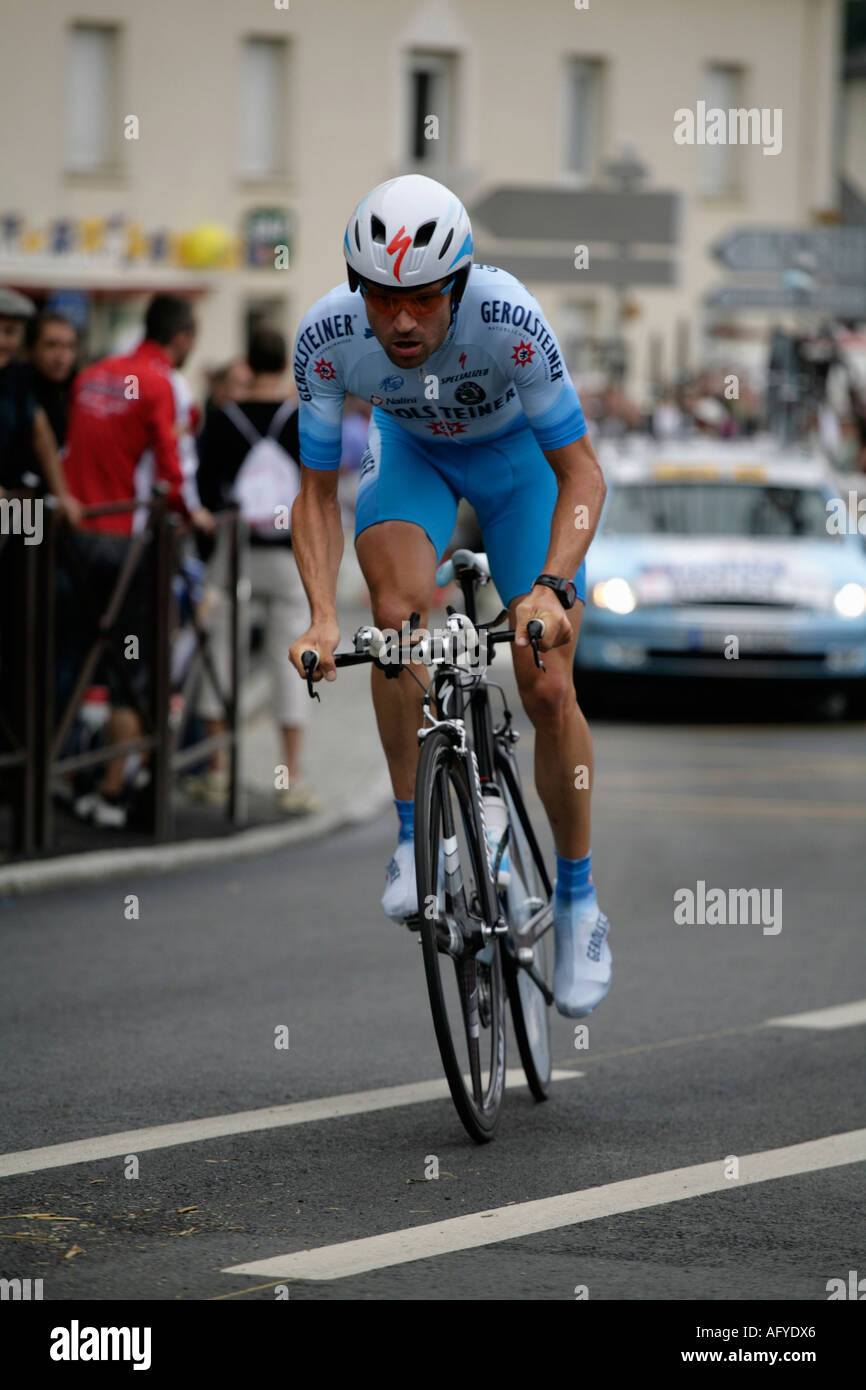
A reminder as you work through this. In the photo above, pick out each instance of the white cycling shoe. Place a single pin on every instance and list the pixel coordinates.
(400, 898)
(583, 970)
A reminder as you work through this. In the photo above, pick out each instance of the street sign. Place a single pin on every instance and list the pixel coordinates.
(559, 267)
(842, 301)
(837, 254)
(580, 215)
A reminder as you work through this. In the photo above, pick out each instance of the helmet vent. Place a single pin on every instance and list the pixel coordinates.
(424, 234)
(357, 234)
(446, 243)
(377, 229)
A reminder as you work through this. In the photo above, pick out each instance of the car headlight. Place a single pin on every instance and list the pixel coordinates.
(850, 601)
(615, 594)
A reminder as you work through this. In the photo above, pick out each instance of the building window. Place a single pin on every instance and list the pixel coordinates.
(577, 337)
(91, 124)
(262, 109)
(432, 81)
(583, 92)
(718, 166)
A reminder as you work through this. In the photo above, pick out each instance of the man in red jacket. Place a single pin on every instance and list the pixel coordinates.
(123, 418)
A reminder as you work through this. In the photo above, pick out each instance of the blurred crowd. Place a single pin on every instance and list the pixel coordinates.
(814, 396)
(103, 435)
(99, 437)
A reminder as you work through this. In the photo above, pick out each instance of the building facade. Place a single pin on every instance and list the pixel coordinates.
(216, 147)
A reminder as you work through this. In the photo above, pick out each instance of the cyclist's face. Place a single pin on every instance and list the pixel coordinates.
(409, 324)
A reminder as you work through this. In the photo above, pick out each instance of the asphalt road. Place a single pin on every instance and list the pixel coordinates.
(116, 1024)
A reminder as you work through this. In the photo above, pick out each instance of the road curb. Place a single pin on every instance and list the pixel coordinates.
(73, 870)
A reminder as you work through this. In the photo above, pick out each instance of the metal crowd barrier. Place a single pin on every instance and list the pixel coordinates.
(34, 734)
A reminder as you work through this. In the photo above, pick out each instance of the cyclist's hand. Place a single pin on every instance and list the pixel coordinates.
(323, 638)
(542, 603)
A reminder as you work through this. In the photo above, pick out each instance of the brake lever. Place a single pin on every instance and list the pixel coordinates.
(535, 631)
(310, 661)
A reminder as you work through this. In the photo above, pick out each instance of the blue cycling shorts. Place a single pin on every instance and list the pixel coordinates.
(508, 481)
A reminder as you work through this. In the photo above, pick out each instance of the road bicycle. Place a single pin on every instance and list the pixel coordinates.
(484, 896)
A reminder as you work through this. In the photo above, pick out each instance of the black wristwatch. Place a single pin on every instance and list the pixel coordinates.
(563, 588)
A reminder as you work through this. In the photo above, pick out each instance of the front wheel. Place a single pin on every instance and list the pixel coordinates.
(464, 975)
(527, 897)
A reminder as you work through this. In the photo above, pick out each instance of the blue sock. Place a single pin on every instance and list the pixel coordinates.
(406, 813)
(574, 878)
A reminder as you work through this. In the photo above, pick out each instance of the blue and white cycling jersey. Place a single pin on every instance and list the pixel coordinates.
(499, 370)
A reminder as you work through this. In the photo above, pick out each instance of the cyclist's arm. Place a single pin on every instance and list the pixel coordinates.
(317, 525)
(317, 540)
(575, 517)
(578, 507)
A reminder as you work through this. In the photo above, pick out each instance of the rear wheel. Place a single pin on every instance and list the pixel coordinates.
(464, 976)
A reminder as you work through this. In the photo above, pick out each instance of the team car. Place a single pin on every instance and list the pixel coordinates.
(726, 561)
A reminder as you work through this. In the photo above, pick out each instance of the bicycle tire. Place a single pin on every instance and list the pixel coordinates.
(530, 1013)
(442, 793)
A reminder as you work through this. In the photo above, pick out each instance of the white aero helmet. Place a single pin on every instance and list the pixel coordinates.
(408, 232)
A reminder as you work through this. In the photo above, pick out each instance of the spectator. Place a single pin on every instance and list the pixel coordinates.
(229, 383)
(232, 435)
(52, 351)
(123, 409)
(25, 434)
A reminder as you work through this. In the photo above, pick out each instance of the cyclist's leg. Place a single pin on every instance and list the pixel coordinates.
(399, 565)
(404, 519)
(515, 523)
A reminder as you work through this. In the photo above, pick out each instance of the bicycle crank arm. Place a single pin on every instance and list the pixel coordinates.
(537, 981)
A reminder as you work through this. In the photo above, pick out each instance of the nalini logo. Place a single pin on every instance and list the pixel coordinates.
(76, 1343)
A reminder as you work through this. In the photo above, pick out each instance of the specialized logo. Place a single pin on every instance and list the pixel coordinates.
(324, 370)
(462, 359)
(447, 427)
(523, 353)
(390, 383)
(469, 393)
(399, 242)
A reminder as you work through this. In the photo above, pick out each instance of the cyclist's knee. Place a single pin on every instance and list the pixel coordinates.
(391, 610)
(548, 698)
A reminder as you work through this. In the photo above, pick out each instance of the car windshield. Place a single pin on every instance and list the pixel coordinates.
(716, 509)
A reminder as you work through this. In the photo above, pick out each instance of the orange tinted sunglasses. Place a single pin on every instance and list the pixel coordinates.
(420, 306)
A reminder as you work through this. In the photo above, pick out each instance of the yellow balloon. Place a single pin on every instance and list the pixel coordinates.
(205, 247)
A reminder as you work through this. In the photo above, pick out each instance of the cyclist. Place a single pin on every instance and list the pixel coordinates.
(470, 399)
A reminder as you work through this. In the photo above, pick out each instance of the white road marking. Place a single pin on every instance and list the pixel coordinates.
(550, 1213)
(840, 1016)
(244, 1122)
